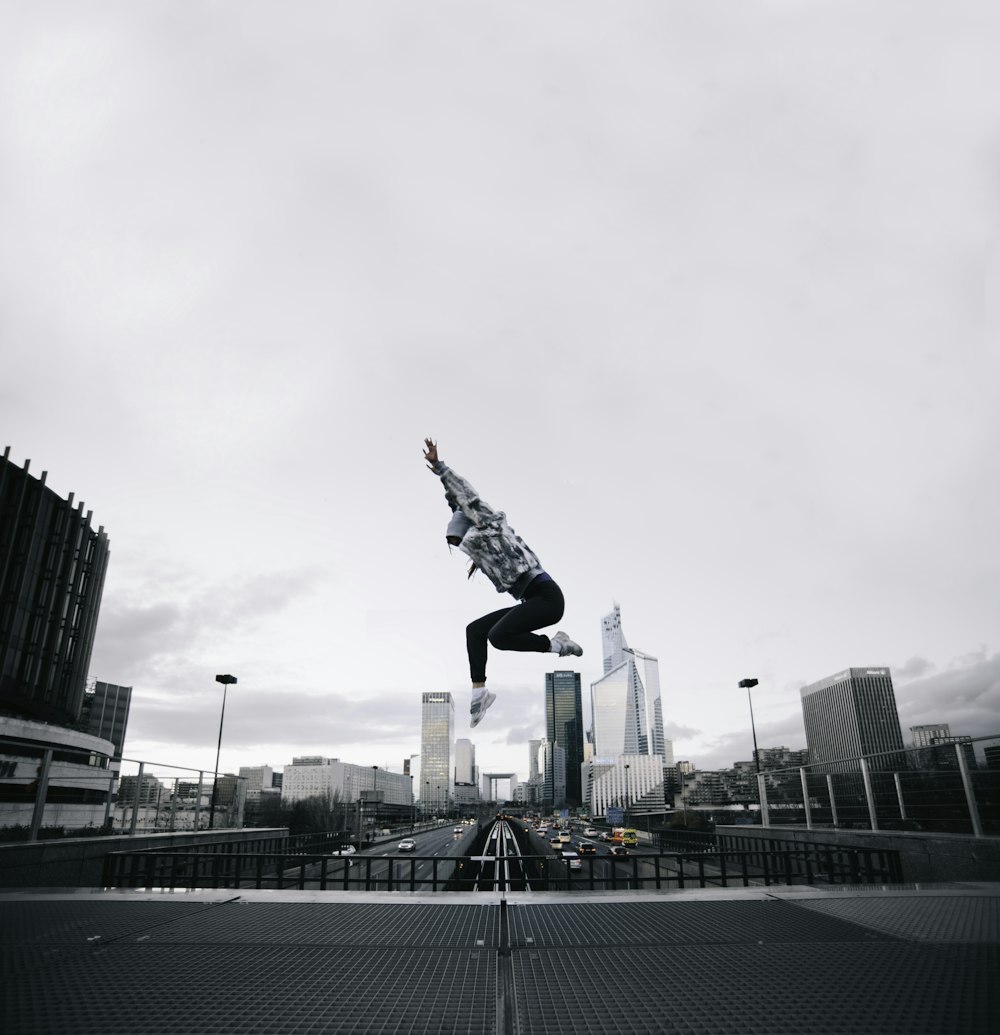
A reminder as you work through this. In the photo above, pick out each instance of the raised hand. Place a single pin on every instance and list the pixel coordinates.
(430, 452)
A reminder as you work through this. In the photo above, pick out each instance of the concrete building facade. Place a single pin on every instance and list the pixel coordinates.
(851, 714)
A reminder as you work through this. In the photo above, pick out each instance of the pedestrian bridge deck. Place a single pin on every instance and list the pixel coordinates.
(781, 961)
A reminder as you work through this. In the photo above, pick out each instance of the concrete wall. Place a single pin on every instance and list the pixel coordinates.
(79, 862)
(930, 858)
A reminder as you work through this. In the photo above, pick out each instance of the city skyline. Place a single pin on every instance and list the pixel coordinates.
(709, 329)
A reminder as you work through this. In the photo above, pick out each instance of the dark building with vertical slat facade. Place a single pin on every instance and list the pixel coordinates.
(52, 569)
(852, 714)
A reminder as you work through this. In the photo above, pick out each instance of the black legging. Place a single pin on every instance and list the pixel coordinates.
(511, 628)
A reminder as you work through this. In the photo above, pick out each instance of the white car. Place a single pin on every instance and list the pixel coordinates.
(573, 859)
(407, 845)
(590, 832)
(346, 850)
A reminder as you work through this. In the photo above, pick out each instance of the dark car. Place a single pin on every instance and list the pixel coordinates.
(586, 849)
(618, 850)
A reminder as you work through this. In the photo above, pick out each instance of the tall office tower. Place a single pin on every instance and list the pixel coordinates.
(626, 707)
(924, 736)
(533, 771)
(850, 714)
(564, 725)
(552, 763)
(52, 568)
(437, 749)
(465, 761)
(105, 711)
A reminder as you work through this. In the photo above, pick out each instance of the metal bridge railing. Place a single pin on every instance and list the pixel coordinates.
(759, 866)
(941, 788)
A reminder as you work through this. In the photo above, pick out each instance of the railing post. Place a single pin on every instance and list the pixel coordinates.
(41, 793)
(765, 815)
(805, 798)
(866, 778)
(135, 800)
(970, 794)
(899, 795)
(111, 794)
(833, 800)
(197, 801)
(173, 806)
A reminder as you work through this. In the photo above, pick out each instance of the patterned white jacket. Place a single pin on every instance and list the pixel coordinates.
(497, 550)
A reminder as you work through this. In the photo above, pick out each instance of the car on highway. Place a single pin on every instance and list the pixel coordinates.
(554, 842)
(458, 830)
(591, 832)
(406, 845)
(618, 850)
(346, 850)
(587, 849)
(573, 859)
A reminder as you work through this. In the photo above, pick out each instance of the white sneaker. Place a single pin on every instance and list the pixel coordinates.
(479, 706)
(566, 645)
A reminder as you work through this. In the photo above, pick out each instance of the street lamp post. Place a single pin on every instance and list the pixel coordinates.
(748, 683)
(226, 681)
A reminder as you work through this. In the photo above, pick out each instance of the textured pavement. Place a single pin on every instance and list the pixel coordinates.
(780, 961)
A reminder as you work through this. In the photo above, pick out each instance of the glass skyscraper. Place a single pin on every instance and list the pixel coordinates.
(627, 711)
(437, 750)
(564, 726)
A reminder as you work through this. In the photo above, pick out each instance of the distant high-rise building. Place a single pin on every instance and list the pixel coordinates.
(105, 711)
(564, 725)
(132, 791)
(533, 770)
(437, 749)
(52, 568)
(612, 639)
(923, 736)
(552, 763)
(781, 758)
(465, 761)
(626, 706)
(942, 753)
(991, 755)
(258, 777)
(850, 714)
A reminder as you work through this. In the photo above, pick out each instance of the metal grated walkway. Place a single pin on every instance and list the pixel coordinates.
(791, 961)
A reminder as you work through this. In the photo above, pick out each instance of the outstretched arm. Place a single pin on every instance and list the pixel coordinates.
(458, 492)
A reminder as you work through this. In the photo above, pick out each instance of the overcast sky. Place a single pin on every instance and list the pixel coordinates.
(702, 295)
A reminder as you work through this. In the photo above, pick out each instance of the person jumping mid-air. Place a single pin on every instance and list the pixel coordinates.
(496, 550)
